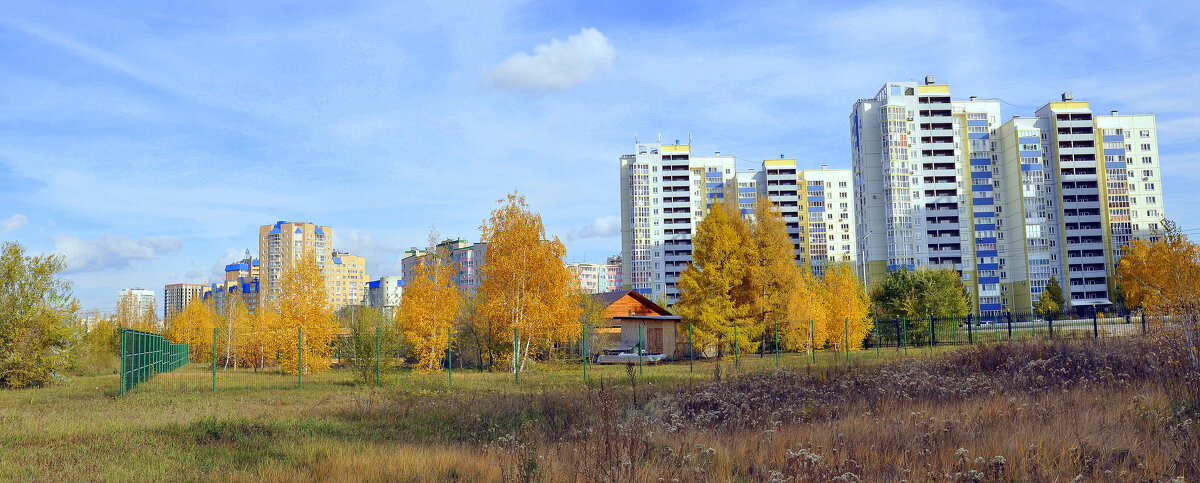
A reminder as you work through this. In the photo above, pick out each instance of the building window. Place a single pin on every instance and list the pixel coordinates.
(1145, 147)
(1147, 160)
(1144, 133)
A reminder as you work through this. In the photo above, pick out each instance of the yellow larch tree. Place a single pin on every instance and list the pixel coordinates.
(525, 285)
(303, 302)
(772, 268)
(846, 307)
(805, 320)
(429, 305)
(720, 263)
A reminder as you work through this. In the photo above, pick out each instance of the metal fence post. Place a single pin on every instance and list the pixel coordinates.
(691, 351)
(904, 328)
(932, 334)
(642, 349)
(1050, 325)
(1143, 322)
(123, 349)
(735, 344)
(812, 341)
(1095, 325)
(877, 341)
(847, 327)
(970, 329)
(299, 358)
(583, 332)
(1010, 326)
(776, 334)
(897, 335)
(516, 357)
(377, 381)
(214, 359)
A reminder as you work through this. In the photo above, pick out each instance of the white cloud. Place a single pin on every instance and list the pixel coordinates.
(556, 65)
(12, 224)
(602, 227)
(111, 251)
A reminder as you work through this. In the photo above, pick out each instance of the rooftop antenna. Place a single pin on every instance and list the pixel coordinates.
(659, 138)
(635, 139)
(689, 139)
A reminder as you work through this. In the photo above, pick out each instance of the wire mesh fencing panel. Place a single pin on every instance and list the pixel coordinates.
(145, 354)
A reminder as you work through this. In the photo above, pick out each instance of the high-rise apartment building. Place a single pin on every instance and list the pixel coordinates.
(241, 284)
(468, 257)
(817, 209)
(385, 294)
(286, 242)
(943, 183)
(347, 279)
(598, 277)
(176, 296)
(135, 303)
(665, 193)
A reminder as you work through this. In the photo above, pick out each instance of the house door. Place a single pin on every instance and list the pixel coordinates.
(654, 340)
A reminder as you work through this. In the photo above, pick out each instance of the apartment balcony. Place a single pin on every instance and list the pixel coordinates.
(1080, 192)
(1085, 260)
(938, 146)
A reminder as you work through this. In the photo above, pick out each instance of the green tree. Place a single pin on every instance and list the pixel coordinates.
(1051, 301)
(36, 310)
(719, 264)
(916, 295)
(359, 347)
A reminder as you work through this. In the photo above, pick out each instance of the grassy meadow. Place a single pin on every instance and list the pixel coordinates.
(1031, 411)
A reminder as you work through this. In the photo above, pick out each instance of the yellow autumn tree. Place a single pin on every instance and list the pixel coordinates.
(805, 319)
(231, 331)
(772, 268)
(258, 338)
(303, 303)
(846, 307)
(525, 285)
(720, 263)
(1162, 276)
(194, 326)
(429, 305)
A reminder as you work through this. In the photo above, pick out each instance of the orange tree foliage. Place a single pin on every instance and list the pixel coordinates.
(257, 343)
(304, 303)
(525, 284)
(1162, 276)
(429, 305)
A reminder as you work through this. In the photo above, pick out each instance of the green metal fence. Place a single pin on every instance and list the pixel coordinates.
(144, 354)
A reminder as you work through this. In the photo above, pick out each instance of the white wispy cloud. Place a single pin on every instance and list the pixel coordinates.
(556, 65)
(13, 223)
(109, 252)
(602, 227)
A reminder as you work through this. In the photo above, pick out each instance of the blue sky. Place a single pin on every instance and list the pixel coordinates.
(147, 141)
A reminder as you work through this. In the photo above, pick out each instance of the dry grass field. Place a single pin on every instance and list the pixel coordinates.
(1108, 410)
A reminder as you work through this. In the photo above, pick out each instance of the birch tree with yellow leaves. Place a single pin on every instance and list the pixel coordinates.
(720, 264)
(194, 326)
(429, 305)
(303, 302)
(525, 285)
